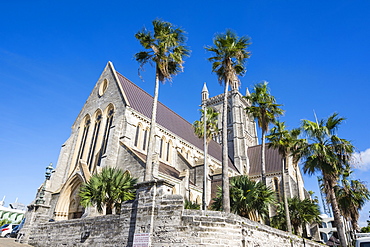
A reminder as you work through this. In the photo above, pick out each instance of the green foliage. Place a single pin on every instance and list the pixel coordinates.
(248, 198)
(108, 189)
(229, 55)
(329, 155)
(211, 124)
(165, 48)
(366, 229)
(263, 106)
(351, 196)
(301, 212)
(285, 141)
(326, 152)
(191, 205)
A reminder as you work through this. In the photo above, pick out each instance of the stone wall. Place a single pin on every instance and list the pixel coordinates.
(163, 217)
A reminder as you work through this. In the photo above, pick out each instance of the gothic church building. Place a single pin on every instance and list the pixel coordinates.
(112, 129)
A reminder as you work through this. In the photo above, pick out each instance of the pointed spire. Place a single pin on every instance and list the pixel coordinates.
(235, 84)
(247, 93)
(205, 94)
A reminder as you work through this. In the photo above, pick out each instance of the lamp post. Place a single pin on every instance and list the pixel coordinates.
(40, 197)
(205, 178)
(49, 170)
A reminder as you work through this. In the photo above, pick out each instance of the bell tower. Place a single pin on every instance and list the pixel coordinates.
(241, 127)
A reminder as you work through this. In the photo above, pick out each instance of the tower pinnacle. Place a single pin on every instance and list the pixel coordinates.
(205, 94)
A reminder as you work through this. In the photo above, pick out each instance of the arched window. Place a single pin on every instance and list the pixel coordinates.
(198, 200)
(229, 116)
(146, 131)
(161, 148)
(187, 155)
(97, 124)
(85, 131)
(137, 135)
(108, 126)
(169, 151)
(191, 197)
(174, 191)
(276, 187)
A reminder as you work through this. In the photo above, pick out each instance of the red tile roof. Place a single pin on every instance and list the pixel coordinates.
(142, 102)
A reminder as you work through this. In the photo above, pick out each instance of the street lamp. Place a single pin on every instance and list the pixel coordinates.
(41, 194)
(49, 170)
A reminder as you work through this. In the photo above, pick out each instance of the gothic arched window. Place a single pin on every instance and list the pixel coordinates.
(169, 151)
(82, 145)
(161, 147)
(137, 135)
(94, 140)
(108, 126)
(145, 138)
(276, 187)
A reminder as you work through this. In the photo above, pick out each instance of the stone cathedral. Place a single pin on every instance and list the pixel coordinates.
(112, 129)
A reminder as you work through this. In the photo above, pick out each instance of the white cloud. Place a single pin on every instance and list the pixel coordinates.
(361, 160)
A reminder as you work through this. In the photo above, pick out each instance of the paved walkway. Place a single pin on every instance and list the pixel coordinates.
(10, 242)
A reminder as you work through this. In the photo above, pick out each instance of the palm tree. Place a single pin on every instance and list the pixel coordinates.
(248, 198)
(302, 212)
(210, 128)
(166, 49)
(265, 110)
(366, 229)
(284, 141)
(329, 155)
(211, 124)
(352, 196)
(228, 62)
(108, 189)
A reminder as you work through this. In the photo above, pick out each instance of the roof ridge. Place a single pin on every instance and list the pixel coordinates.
(152, 97)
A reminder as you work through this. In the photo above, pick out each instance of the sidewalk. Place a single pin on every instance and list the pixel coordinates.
(10, 242)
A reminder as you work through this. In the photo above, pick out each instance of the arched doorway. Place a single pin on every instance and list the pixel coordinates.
(68, 205)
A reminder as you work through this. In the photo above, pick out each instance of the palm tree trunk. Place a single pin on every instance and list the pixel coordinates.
(263, 165)
(225, 155)
(285, 194)
(336, 214)
(151, 141)
(296, 178)
(109, 208)
(263, 170)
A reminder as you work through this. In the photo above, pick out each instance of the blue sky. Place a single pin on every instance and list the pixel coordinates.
(313, 53)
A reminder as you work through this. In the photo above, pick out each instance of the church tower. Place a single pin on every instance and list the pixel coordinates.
(241, 127)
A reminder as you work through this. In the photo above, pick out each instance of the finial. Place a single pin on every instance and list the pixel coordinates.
(235, 83)
(205, 94)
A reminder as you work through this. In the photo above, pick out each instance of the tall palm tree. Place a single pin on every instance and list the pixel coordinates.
(352, 196)
(165, 48)
(265, 110)
(210, 127)
(329, 155)
(108, 189)
(228, 62)
(249, 198)
(284, 141)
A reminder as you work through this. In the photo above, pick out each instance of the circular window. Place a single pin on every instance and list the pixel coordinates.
(103, 87)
